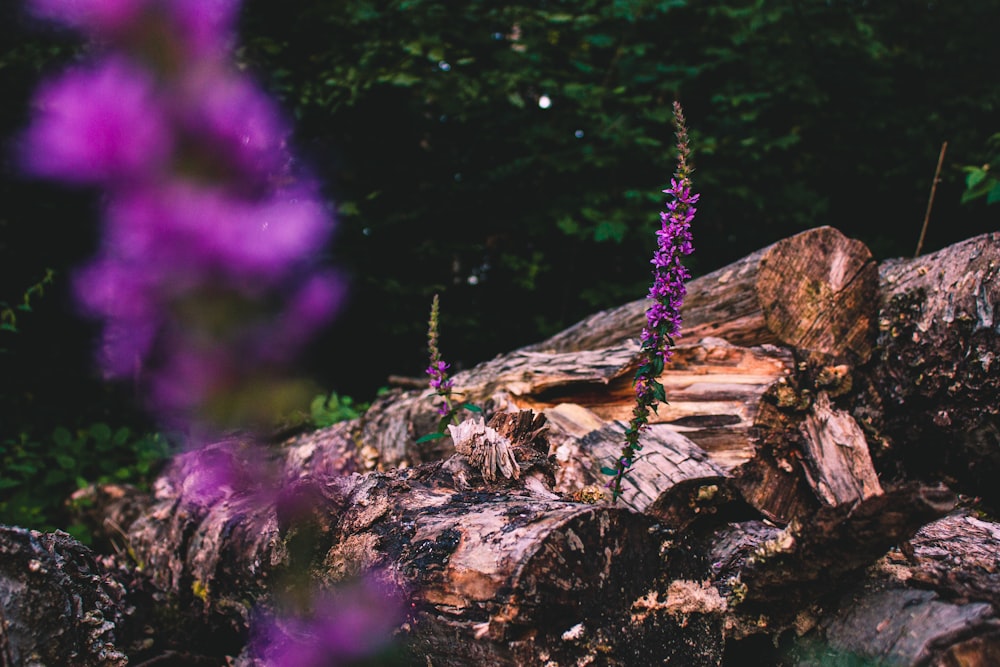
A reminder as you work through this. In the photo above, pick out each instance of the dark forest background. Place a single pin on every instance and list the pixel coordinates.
(424, 121)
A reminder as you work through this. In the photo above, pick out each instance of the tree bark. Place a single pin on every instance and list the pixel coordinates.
(506, 575)
(58, 605)
(933, 602)
(934, 382)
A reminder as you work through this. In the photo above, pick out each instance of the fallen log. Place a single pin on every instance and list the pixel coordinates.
(756, 411)
(507, 575)
(58, 605)
(932, 602)
(933, 406)
(511, 573)
(508, 578)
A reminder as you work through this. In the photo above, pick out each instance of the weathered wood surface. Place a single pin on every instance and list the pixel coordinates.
(809, 453)
(715, 388)
(58, 605)
(932, 602)
(936, 379)
(505, 576)
(582, 443)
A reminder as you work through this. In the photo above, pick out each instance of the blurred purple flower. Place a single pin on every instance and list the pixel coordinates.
(208, 278)
(200, 233)
(232, 118)
(210, 474)
(350, 624)
(201, 27)
(309, 309)
(206, 25)
(126, 300)
(101, 124)
(190, 373)
(204, 476)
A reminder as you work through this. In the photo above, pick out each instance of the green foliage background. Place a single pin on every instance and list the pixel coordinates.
(424, 117)
(423, 120)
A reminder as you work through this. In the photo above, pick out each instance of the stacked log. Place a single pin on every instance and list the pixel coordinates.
(811, 397)
(57, 604)
(933, 407)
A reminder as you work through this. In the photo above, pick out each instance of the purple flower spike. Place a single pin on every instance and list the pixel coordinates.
(666, 296)
(97, 125)
(126, 297)
(438, 369)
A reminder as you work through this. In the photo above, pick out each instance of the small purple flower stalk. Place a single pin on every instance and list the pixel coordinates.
(442, 385)
(438, 369)
(208, 280)
(663, 316)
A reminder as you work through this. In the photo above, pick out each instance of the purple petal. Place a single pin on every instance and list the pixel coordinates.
(231, 117)
(123, 295)
(350, 624)
(102, 124)
(310, 308)
(204, 232)
(206, 25)
(189, 375)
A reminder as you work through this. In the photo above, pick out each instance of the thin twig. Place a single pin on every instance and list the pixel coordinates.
(930, 201)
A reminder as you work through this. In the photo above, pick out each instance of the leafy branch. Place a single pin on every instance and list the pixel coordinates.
(8, 313)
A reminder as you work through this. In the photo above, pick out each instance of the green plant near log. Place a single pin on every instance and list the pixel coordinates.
(983, 181)
(37, 476)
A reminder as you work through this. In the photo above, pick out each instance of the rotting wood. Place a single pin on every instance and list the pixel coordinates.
(932, 602)
(934, 382)
(502, 575)
(58, 604)
(838, 465)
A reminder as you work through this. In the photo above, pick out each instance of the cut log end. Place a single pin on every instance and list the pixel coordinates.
(816, 289)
